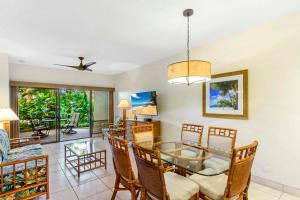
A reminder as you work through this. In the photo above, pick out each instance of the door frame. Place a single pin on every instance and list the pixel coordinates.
(14, 85)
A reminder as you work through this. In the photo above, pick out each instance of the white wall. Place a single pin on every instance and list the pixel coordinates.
(272, 55)
(4, 81)
(70, 77)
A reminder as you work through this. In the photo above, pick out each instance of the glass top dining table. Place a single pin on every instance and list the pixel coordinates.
(190, 157)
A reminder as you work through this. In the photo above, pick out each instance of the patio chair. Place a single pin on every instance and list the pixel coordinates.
(39, 129)
(72, 123)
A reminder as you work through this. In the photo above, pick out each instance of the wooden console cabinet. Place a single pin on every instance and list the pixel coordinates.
(130, 123)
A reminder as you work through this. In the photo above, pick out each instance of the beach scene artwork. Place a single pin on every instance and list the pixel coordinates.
(224, 95)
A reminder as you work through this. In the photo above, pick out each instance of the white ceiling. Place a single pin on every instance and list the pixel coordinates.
(122, 34)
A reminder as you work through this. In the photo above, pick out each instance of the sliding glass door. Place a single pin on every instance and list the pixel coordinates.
(74, 114)
(38, 113)
(60, 113)
(100, 110)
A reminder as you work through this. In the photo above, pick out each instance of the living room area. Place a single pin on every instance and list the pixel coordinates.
(178, 100)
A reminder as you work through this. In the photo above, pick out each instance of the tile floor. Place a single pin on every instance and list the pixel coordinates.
(98, 184)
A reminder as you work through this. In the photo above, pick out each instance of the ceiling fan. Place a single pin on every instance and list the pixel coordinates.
(81, 66)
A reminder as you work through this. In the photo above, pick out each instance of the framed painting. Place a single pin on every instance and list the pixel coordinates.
(226, 95)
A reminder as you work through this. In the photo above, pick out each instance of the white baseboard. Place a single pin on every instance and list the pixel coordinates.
(277, 186)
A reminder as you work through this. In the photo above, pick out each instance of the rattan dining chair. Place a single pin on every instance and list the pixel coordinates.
(117, 131)
(143, 133)
(159, 185)
(221, 140)
(123, 168)
(191, 133)
(236, 184)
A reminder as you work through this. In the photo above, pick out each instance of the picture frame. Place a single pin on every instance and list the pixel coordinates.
(226, 96)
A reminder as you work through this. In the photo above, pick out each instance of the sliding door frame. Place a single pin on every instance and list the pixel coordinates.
(15, 85)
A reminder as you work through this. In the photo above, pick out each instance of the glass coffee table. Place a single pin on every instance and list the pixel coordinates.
(85, 156)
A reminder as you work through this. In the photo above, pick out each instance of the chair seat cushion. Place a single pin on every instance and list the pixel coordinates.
(188, 153)
(166, 158)
(179, 187)
(212, 186)
(217, 164)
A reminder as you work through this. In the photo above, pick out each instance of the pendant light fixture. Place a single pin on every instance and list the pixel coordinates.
(189, 71)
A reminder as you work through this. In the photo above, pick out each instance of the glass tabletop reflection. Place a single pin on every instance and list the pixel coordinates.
(85, 147)
(190, 156)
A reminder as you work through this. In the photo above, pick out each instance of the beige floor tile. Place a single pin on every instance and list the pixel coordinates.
(58, 184)
(84, 178)
(124, 195)
(106, 195)
(259, 195)
(266, 189)
(109, 181)
(90, 188)
(64, 195)
(101, 172)
(289, 197)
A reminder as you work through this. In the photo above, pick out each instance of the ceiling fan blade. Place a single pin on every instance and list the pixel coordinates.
(89, 64)
(90, 70)
(66, 65)
(74, 67)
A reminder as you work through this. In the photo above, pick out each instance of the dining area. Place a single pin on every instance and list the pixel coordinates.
(188, 168)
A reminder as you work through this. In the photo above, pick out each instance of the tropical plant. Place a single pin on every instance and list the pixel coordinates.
(37, 103)
(229, 89)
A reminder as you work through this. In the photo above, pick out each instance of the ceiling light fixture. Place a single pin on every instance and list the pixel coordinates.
(189, 71)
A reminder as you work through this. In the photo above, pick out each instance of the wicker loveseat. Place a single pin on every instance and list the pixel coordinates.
(23, 168)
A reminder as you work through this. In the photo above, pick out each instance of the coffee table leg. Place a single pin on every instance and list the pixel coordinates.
(78, 167)
(105, 159)
(65, 155)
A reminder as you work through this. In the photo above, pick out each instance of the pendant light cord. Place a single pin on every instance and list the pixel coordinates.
(188, 49)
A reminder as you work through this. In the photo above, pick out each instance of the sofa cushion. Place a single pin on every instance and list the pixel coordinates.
(22, 156)
(25, 148)
(4, 145)
(179, 187)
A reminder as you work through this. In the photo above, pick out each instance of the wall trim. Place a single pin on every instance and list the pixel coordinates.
(277, 186)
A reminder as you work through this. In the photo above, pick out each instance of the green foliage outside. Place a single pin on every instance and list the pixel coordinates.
(41, 104)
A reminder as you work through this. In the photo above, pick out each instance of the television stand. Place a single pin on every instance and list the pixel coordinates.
(148, 119)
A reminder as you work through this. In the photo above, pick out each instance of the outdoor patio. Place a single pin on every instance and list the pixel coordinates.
(81, 133)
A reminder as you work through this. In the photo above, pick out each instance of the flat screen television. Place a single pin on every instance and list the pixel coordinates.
(144, 103)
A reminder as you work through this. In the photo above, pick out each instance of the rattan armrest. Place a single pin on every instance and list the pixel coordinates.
(19, 142)
(168, 168)
(24, 160)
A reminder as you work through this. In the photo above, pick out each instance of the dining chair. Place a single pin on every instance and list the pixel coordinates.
(191, 133)
(221, 140)
(117, 131)
(143, 133)
(123, 168)
(159, 185)
(236, 184)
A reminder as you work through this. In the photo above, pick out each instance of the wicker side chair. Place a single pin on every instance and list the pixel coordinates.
(236, 184)
(123, 169)
(191, 133)
(222, 141)
(143, 133)
(159, 185)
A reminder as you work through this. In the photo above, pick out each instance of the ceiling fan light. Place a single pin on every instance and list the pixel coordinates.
(194, 71)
